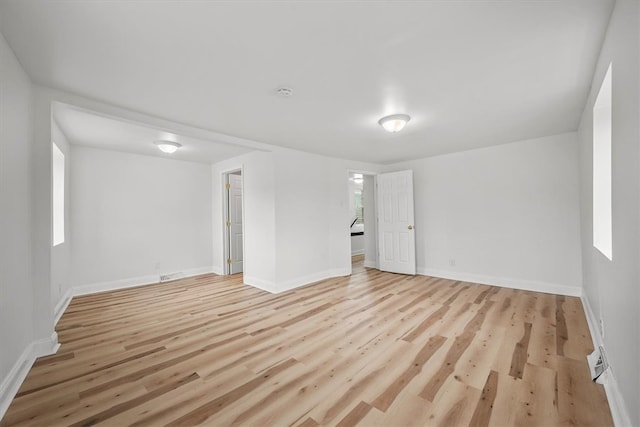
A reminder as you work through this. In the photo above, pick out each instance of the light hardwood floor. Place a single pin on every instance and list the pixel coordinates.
(370, 349)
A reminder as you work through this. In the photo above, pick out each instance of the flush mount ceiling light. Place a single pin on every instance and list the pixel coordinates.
(394, 122)
(168, 146)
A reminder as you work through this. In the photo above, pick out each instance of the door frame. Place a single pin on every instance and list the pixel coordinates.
(226, 248)
(375, 211)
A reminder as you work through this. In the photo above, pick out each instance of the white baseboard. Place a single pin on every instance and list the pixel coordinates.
(526, 285)
(46, 346)
(12, 382)
(113, 285)
(370, 264)
(43, 347)
(616, 402)
(217, 270)
(614, 396)
(592, 322)
(357, 252)
(265, 285)
(62, 305)
(197, 271)
(276, 288)
(311, 278)
(93, 288)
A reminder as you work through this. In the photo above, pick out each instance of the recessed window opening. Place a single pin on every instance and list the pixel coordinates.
(58, 195)
(602, 221)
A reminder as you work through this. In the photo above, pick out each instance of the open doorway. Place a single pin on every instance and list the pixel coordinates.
(362, 211)
(233, 214)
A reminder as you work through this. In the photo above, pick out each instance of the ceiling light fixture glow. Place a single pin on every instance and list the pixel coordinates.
(394, 122)
(357, 178)
(168, 147)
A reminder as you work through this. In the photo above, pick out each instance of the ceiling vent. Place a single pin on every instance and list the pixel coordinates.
(284, 92)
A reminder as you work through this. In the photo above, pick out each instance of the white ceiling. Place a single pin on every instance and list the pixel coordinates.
(470, 73)
(91, 129)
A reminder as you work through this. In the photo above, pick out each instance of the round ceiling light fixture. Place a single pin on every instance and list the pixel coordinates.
(394, 122)
(168, 147)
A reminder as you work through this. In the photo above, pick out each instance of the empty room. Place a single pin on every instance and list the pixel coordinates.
(336, 213)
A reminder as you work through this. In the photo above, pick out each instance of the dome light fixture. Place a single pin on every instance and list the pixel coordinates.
(395, 122)
(168, 147)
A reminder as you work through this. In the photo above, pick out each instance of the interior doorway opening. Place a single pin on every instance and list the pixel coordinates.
(362, 220)
(233, 222)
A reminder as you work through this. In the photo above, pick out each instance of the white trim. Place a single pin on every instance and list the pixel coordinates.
(113, 285)
(262, 284)
(190, 272)
(362, 171)
(93, 288)
(614, 396)
(357, 252)
(119, 284)
(311, 278)
(592, 322)
(616, 402)
(46, 346)
(348, 219)
(62, 305)
(83, 104)
(276, 288)
(217, 270)
(370, 264)
(505, 282)
(226, 269)
(12, 382)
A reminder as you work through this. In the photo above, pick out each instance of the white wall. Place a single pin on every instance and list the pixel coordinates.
(303, 200)
(357, 245)
(61, 254)
(505, 215)
(258, 212)
(297, 217)
(312, 217)
(612, 287)
(135, 217)
(16, 292)
(370, 222)
(338, 213)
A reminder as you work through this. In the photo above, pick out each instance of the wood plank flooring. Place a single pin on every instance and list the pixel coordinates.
(370, 349)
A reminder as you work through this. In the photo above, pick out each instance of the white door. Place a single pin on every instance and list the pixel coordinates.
(396, 234)
(234, 191)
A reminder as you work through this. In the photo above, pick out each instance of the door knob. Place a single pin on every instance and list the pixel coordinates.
(410, 227)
